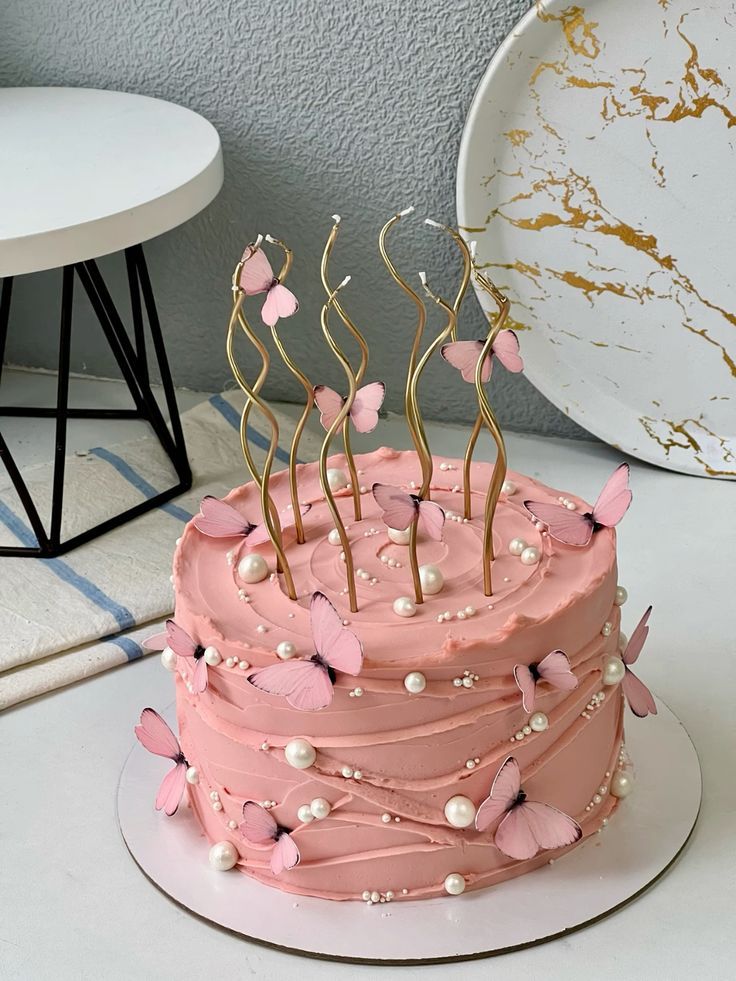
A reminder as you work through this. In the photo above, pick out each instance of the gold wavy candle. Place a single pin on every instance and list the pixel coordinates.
(467, 266)
(359, 374)
(308, 388)
(414, 422)
(340, 419)
(486, 414)
(503, 304)
(268, 509)
(427, 465)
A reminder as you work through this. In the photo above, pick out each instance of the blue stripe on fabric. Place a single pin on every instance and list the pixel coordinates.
(229, 413)
(140, 483)
(94, 594)
(129, 647)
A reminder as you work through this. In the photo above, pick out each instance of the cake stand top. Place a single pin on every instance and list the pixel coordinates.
(89, 172)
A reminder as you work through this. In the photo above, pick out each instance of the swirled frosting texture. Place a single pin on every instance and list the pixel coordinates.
(386, 831)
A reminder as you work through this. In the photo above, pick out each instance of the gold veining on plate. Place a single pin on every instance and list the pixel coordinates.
(540, 183)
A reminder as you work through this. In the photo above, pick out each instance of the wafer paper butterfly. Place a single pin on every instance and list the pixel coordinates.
(554, 669)
(218, 519)
(400, 510)
(156, 737)
(260, 828)
(637, 694)
(257, 276)
(526, 825)
(182, 644)
(574, 528)
(363, 412)
(308, 683)
(464, 355)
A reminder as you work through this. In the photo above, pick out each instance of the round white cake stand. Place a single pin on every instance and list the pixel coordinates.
(609, 870)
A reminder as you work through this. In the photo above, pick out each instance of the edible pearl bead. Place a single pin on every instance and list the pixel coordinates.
(223, 856)
(460, 811)
(347, 772)
(404, 606)
(621, 784)
(212, 656)
(320, 808)
(539, 722)
(399, 536)
(336, 479)
(415, 682)
(614, 670)
(168, 659)
(192, 775)
(285, 650)
(305, 814)
(431, 578)
(621, 596)
(454, 884)
(334, 537)
(300, 754)
(517, 546)
(253, 568)
(530, 556)
(508, 487)
(623, 640)
(606, 629)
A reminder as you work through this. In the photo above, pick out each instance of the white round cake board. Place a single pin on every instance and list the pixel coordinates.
(642, 840)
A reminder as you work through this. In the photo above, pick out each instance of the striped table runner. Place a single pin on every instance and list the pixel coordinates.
(65, 619)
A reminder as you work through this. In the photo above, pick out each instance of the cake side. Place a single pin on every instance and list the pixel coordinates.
(393, 749)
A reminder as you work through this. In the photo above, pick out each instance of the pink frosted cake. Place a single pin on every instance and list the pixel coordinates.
(413, 701)
(385, 804)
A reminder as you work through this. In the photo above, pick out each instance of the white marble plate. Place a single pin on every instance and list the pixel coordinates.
(607, 871)
(597, 174)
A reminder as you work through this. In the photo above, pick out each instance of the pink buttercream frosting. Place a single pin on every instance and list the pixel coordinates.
(386, 831)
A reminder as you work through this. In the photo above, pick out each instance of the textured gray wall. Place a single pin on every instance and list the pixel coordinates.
(354, 107)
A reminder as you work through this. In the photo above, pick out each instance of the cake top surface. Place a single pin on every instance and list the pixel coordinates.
(219, 607)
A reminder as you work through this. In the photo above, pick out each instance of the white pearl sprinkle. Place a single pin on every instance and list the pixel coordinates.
(404, 606)
(385, 818)
(517, 546)
(415, 682)
(223, 856)
(454, 884)
(530, 556)
(347, 772)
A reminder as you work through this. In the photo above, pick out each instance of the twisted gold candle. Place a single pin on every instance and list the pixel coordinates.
(341, 417)
(414, 422)
(359, 374)
(486, 413)
(308, 388)
(467, 266)
(268, 509)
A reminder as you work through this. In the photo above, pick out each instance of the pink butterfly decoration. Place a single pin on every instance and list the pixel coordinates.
(218, 519)
(401, 509)
(526, 826)
(308, 683)
(363, 412)
(639, 697)
(260, 828)
(464, 355)
(182, 644)
(554, 669)
(574, 528)
(156, 737)
(257, 276)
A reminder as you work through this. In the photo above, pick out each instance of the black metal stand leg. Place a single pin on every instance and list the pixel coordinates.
(132, 359)
(62, 405)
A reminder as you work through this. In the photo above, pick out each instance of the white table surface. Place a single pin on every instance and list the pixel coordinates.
(73, 905)
(85, 172)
